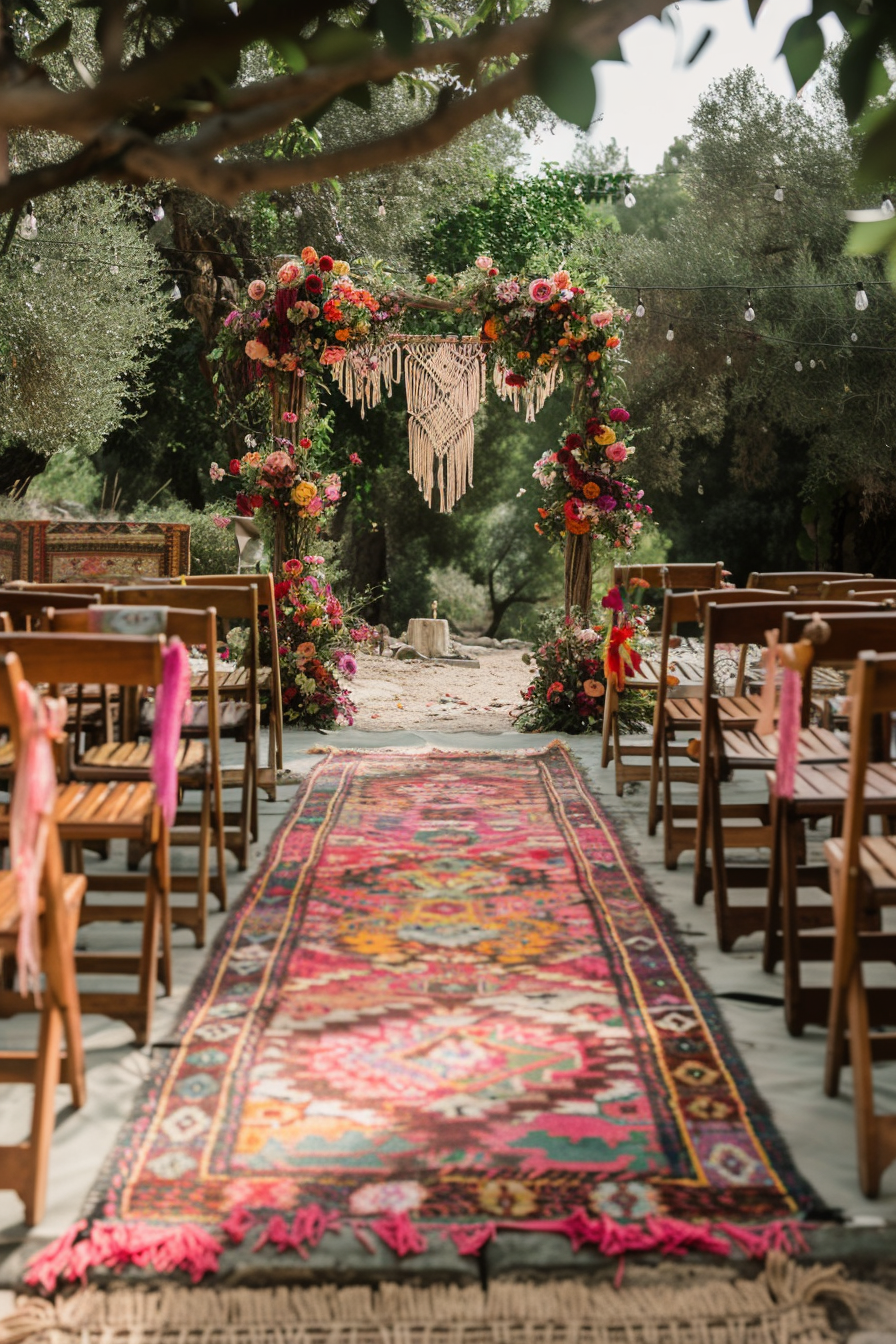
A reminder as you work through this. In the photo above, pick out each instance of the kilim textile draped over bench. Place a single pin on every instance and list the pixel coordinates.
(42, 551)
(447, 1006)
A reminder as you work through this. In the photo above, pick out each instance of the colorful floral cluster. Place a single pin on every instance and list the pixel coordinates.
(588, 495)
(574, 662)
(534, 325)
(303, 322)
(314, 636)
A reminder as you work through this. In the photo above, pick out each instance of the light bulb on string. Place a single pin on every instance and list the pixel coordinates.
(158, 212)
(28, 226)
(670, 334)
(798, 365)
(886, 206)
(699, 487)
(640, 310)
(861, 297)
(629, 197)
(175, 292)
(727, 359)
(380, 207)
(811, 363)
(749, 312)
(298, 212)
(779, 194)
(853, 336)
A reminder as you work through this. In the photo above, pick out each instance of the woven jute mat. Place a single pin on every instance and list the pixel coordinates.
(786, 1304)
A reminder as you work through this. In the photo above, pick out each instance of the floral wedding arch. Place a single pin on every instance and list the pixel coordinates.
(314, 321)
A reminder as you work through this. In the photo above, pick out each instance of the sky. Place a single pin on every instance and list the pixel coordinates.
(646, 102)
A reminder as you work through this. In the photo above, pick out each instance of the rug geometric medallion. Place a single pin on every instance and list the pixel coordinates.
(448, 995)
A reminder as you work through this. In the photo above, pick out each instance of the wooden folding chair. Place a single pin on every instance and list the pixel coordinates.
(800, 582)
(837, 588)
(723, 751)
(673, 578)
(798, 933)
(24, 1166)
(118, 810)
(677, 714)
(198, 766)
(238, 716)
(268, 676)
(863, 882)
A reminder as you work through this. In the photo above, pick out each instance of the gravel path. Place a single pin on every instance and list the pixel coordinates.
(453, 697)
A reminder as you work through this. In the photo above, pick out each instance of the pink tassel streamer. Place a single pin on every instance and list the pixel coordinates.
(400, 1234)
(308, 1227)
(238, 1225)
(42, 721)
(788, 732)
(172, 698)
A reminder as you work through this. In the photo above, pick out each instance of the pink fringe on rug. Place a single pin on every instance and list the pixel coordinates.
(308, 1227)
(470, 1240)
(400, 1234)
(238, 1225)
(172, 699)
(187, 1247)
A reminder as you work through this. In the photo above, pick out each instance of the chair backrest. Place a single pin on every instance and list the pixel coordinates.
(872, 689)
(26, 607)
(797, 582)
(847, 587)
(266, 599)
(674, 576)
(119, 660)
(851, 632)
(94, 589)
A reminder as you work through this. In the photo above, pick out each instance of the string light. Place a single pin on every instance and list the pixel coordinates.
(853, 337)
(158, 212)
(629, 197)
(28, 226)
(380, 207)
(298, 212)
(861, 297)
(811, 363)
(175, 292)
(886, 205)
(670, 334)
(728, 359)
(749, 311)
(798, 364)
(779, 194)
(640, 310)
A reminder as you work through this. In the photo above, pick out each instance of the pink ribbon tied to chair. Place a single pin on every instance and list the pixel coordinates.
(795, 661)
(172, 701)
(42, 722)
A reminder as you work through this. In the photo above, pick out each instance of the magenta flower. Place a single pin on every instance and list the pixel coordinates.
(541, 291)
(618, 414)
(289, 417)
(354, 459)
(606, 503)
(613, 600)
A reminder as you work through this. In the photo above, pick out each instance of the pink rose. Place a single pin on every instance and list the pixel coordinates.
(616, 452)
(541, 291)
(618, 414)
(484, 263)
(332, 493)
(332, 355)
(289, 417)
(288, 273)
(602, 319)
(315, 507)
(257, 289)
(293, 567)
(354, 459)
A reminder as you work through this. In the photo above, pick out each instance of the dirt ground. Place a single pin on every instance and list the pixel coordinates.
(453, 698)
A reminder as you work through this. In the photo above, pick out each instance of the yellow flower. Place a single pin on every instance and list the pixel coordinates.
(605, 435)
(303, 493)
(544, 359)
(251, 459)
(341, 268)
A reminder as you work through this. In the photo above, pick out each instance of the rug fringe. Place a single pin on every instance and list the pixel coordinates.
(779, 1307)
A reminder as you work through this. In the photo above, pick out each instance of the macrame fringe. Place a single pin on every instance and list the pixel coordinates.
(540, 385)
(782, 1305)
(364, 374)
(196, 1251)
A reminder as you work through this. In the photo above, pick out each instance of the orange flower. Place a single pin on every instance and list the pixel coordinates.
(523, 354)
(539, 529)
(256, 350)
(489, 330)
(564, 340)
(612, 342)
(543, 512)
(671, 680)
(343, 334)
(593, 688)
(591, 490)
(578, 526)
(593, 356)
(309, 256)
(544, 359)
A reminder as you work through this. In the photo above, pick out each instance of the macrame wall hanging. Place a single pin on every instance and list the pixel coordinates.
(445, 386)
(534, 394)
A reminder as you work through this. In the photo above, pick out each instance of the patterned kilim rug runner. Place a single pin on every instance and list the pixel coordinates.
(446, 1008)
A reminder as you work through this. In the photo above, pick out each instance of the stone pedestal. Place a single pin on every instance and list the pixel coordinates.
(429, 637)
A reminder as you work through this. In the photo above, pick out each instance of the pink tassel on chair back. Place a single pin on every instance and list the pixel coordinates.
(789, 719)
(172, 698)
(42, 721)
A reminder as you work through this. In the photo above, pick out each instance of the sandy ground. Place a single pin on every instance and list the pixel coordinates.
(453, 698)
